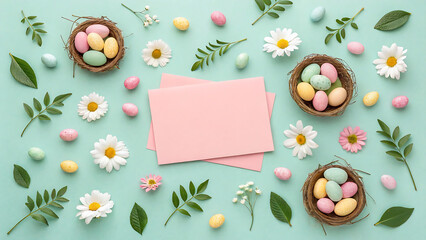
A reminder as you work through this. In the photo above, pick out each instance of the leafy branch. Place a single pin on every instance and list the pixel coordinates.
(221, 47)
(55, 198)
(49, 108)
(341, 32)
(270, 11)
(33, 27)
(398, 152)
(188, 201)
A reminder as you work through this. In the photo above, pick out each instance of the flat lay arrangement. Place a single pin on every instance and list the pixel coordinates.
(115, 112)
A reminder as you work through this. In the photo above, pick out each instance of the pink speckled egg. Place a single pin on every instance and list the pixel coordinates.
(320, 101)
(282, 173)
(325, 205)
(400, 101)
(100, 29)
(388, 182)
(68, 135)
(130, 109)
(349, 189)
(355, 47)
(218, 18)
(80, 42)
(131, 82)
(329, 71)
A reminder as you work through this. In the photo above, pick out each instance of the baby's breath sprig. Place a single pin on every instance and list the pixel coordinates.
(143, 16)
(247, 196)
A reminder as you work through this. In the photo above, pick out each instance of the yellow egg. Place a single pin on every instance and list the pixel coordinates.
(305, 91)
(110, 47)
(370, 98)
(95, 41)
(216, 220)
(181, 23)
(69, 166)
(345, 207)
(337, 97)
(319, 188)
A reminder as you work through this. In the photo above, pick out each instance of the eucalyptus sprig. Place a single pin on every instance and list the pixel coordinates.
(341, 32)
(399, 152)
(49, 108)
(197, 194)
(54, 197)
(33, 27)
(220, 46)
(274, 7)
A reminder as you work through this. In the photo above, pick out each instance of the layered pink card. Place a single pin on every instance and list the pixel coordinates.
(211, 120)
(249, 161)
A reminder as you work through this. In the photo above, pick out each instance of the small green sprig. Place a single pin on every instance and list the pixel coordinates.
(33, 27)
(54, 197)
(145, 18)
(341, 32)
(220, 46)
(274, 7)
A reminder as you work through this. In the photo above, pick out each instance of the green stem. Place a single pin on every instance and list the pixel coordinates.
(32, 119)
(128, 8)
(229, 45)
(31, 213)
(134, 12)
(411, 175)
(178, 209)
(28, 21)
(252, 220)
(350, 20)
(265, 13)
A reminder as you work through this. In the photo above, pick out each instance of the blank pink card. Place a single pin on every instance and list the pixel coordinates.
(205, 121)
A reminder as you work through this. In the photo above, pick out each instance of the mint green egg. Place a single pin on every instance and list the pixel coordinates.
(337, 175)
(242, 60)
(320, 82)
(94, 58)
(334, 191)
(334, 85)
(36, 153)
(309, 71)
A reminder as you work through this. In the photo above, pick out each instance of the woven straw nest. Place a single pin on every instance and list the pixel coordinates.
(114, 32)
(345, 74)
(332, 219)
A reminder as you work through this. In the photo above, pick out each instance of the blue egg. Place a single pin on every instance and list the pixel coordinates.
(336, 174)
(49, 60)
(334, 191)
(317, 14)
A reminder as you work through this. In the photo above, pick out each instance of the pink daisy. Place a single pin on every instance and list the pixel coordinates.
(352, 139)
(151, 182)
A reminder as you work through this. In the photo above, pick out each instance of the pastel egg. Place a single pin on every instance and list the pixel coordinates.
(305, 91)
(130, 109)
(309, 71)
(49, 60)
(333, 86)
(181, 23)
(349, 189)
(329, 71)
(345, 207)
(317, 14)
(337, 97)
(282, 173)
(400, 101)
(320, 101)
(36, 153)
(95, 41)
(334, 191)
(242, 60)
(68, 135)
(216, 220)
(320, 82)
(355, 47)
(131, 82)
(218, 18)
(94, 58)
(388, 182)
(337, 175)
(370, 99)
(80, 42)
(319, 188)
(110, 47)
(100, 29)
(69, 166)
(325, 205)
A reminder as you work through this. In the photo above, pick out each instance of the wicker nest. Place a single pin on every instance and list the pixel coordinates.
(332, 219)
(77, 57)
(345, 75)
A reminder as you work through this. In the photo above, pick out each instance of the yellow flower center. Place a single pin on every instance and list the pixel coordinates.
(152, 182)
(110, 152)
(94, 206)
(391, 61)
(282, 43)
(300, 139)
(352, 139)
(156, 53)
(92, 106)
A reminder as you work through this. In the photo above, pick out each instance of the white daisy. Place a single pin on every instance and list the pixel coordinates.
(157, 53)
(109, 153)
(391, 61)
(92, 107)
(281, 41)
(95, 205)
(301, 139)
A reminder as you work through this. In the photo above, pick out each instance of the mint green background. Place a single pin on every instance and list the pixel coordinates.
(124, 184)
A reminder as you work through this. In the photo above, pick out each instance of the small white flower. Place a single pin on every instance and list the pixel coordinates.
(95, 205)
(146, 7)
(234, 200)
(110, 153)
(145, 24)
(147, 16)
(154, 17)
(258, 192)
(301, 139)
(92, 107)
(157, 20)
(281, 41)
(245, 197)
(150, 21)
(391, 61)
(157, 53)
(250, 190)
(241, 186)
(243, 201)
(240, 192)
(251, 183)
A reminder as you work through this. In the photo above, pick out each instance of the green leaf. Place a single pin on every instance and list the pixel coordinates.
(330, 29)
(38, 39)
(38, 24)
(183, 193)
(44, 117)
(27, 31)
(58, 104)
(328, 37)
(195, 206)
(40, 30)
(57, 205)
(383, 126)
(354, 25)
(22, 72)
(23, 20)
(408, 149)
(339, 22)
(37, 104)
(198, 56)
(338, 37)
(395, 133)
(343, 33)
(280, 209)
(226, 49)
(260, 4)
(395, 216)
(40, 218)
(46, 196)
(32, 17)
(209, 48)
(49, 212)
(62, 191)
(345, 19)
(384, 134)
(389, 143)
(274, 15)
(28, 110)
(191, 188)
(267, 2)
(46, 99)
(202, 187)
(21, 176)
(213, 45)
(202, 197)
(53, 111)
(61, 97)
(33, 36)
(404, 140)
(279, 8)
(394, 154)
(195, 66)
(221, 42)
(30, 203)
(392, 20)
(175, 200)
(62, 199)
(202, 51)
(39, 199)
(53, 194)
(138, 218)
(184, 212)
(285, 2)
